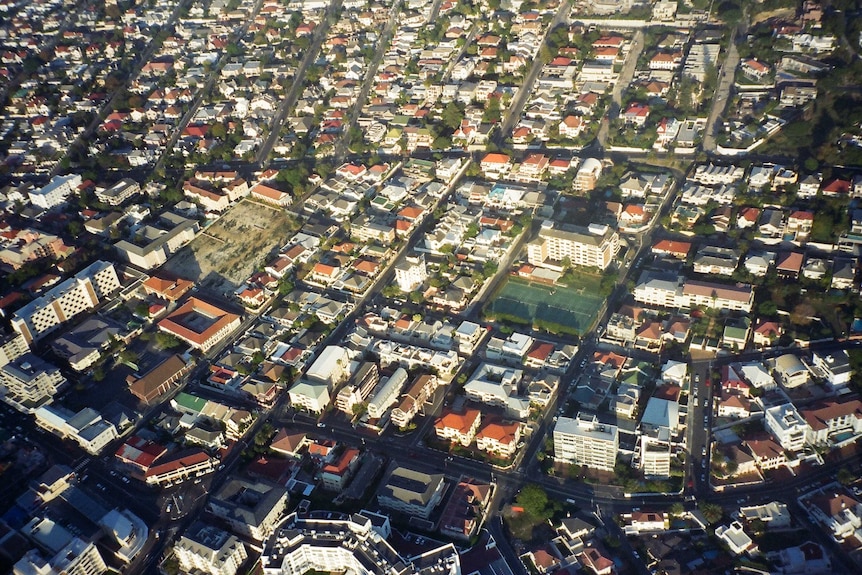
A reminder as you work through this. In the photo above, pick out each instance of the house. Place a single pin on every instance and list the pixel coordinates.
(736, 538)
(458, 427)
(791, 371)
(636, 114)
(765, 333)
(499, 437)
(838, 512)
(571, 126)
(767, 453)
(335, 476)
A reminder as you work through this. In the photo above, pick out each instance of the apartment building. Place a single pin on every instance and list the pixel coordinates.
(359, 388)
(411, 492)
(585, 441)
(410, 273)
(787, 427)
(29, 382)
(55, 192)
(251, 507)
(458, 427)
(413, 400)
(831, 418)
(119, 192)
(207, 549)
(153, 245)
(180, 467)
(593, 246)
(386, 393)
(671, 292)
(328, 542)
(82, 292)
(499, 437)
(76, 557)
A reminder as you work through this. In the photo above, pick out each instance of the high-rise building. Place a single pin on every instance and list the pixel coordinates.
(82, 292)
(593, 246)
(585, 441)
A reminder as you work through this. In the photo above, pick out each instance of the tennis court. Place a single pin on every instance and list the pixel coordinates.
(575, 307)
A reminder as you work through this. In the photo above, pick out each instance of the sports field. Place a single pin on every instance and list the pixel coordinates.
(574, 307)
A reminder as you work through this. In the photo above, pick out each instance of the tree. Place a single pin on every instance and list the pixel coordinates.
(676, 510)
(452, 116)
(711, 512)
(166, 341)
(845, 476)
(534, 500)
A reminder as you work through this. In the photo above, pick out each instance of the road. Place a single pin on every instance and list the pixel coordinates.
(722, 93)
(289, 101)
(516, 106)
(380, 48)
(622, 83)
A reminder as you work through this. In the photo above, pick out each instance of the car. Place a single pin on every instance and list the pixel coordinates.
(125, 479)
(321, 424)
(169, 508)
(697, 378)
(703, 451)
(703, 477)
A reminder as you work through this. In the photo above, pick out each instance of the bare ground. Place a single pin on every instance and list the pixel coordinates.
(227, 252)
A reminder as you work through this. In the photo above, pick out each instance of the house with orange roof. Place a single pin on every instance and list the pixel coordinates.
(734, 406)
(180, 467)
(766, 332)
(167, 287)
(458, 427)
(597, 563)
(335, 476)
(838, 511)
(270, 195)
(495, 165)
(324, 273)
(539, 354)
(832, 418)
(499, 437)
(199, 323)
(571, 126)
(766, 452)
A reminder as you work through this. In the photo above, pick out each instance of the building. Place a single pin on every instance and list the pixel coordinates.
(834, 367)
(76, 557)
(499, 437)
(335, 475)
(594, 246)
(497, 385)
(29, 382)
(736, 538)
(118, 193)
(413, 493)
(458, 427)
(84, 291)
(358, 390)
(832, 422)
(585, 441)
(180, 467)
(82, 346)
(250, 507)
(791, 370)
(154, 245)
(207, 549)
(55, 192)
(655, 455)
(311, 396)
(410, 273)
(837, 511)
(463, 514)
(200, 324)
(787, 427)
(329, 542)
(331, 367)
(159, 380)
(591, 169)
(414, 399)
(86, 428)
(386, 393)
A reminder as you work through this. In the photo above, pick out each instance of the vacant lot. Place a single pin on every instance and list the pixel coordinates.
(228, 251)
(574, 308)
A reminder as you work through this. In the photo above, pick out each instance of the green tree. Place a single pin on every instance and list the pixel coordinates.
(711, 512)
(534, 500)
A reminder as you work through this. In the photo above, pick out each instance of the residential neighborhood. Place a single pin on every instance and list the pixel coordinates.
(430, 286)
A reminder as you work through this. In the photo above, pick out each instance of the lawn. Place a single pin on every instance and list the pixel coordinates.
(556, 308)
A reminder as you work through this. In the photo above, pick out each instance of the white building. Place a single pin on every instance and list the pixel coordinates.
(77, 557)
(787, 426)
(119, 192)
(207, 549)
(497, 385)
(29, 382)
(86, 427)
(74, 296)
(585, 441)
(357, 544)
(735, 537)
(312, 396)
(55, 192)
(593, 246)
(386, 393)
(410, 273)
(331, 367)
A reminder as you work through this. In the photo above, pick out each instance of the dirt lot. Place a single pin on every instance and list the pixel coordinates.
(232, 248)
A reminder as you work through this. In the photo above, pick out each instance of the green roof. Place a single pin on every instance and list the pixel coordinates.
(190, 402)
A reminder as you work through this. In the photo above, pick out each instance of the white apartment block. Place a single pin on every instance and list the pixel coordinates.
(413, 400)
(75, 558)
(669, 292)
(585, 441)
(311, 396)
(787, 427)
(594, 246)
(207, 549)
(29, 382)
(80, 293)
(355, 544)
(655, 457)
(386, 393)
(411, 273)
(55, 192)
(86, 428)
(119, 192)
